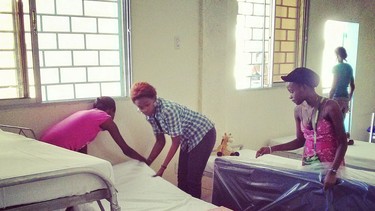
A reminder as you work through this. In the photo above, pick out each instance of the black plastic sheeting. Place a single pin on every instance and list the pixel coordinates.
(250, 186)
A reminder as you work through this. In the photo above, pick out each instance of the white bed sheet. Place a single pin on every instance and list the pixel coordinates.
(138, 190)
(248, 156)
(22, 157)
(358, 156)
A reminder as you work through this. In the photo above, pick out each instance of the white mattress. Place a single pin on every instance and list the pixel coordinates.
(138, 190)
(248, 156)
(22, 158)
(358, 156)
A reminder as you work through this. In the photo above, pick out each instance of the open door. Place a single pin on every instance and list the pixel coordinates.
(336, 34)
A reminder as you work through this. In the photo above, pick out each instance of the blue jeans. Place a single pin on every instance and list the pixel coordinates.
(191, 165)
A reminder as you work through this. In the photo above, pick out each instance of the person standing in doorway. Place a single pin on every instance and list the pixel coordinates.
(342, 78)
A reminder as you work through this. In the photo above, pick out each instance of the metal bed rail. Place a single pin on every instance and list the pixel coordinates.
(372, 130)
(20, 130)
(109, 193)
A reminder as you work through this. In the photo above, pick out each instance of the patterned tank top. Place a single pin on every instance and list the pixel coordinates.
(326, 143)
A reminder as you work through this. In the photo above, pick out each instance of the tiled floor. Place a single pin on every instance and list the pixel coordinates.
(207, 183)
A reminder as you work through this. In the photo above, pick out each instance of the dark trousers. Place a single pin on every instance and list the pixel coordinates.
(191, 165)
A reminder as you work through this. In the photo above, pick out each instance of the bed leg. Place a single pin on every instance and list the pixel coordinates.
(115, 207)
(100, 205)
(113, 199)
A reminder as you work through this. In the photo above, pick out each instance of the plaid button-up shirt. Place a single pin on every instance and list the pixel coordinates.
(177, 120)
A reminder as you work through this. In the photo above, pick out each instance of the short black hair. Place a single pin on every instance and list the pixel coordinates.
(341, 52)
(104, 103)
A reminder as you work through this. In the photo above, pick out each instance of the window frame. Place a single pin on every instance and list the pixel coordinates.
(267, 67)
(125, 60)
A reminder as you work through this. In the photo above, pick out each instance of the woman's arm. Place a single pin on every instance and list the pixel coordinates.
(294, 144)
(333, 114)
(112, 128)
(333, 86)
(158, 147)
(172, 151)
(352, 87)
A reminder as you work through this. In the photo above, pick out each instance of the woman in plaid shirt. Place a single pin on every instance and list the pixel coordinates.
(191, 130)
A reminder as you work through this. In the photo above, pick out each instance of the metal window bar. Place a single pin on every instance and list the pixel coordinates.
(20, 31)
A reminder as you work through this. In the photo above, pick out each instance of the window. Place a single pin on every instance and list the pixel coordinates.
(269, 41)
(58, 50)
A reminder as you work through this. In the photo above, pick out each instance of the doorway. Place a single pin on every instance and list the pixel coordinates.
(336, 34)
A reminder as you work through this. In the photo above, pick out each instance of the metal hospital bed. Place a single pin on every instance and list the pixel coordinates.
(39, 176)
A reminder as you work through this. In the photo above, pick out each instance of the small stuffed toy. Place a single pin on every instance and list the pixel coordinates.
(223, 149)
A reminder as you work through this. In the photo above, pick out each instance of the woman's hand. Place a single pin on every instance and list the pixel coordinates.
(262, 151)
(330, 180)
(172, 150)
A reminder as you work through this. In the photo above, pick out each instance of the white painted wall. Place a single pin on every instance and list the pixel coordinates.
(200, 75)
(252, 116)
(362, 12)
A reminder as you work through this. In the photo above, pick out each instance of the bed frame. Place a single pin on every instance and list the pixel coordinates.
(20, 130)
(109, 193)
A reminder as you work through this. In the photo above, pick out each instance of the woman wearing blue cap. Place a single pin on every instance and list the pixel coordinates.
(319, 125)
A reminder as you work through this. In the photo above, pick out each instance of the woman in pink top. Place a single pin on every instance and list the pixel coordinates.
(81, 128)
(313, 111)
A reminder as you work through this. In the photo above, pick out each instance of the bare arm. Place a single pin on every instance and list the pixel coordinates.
(352, 87)
(112, 128)
(333, 114)
(158, 147)
(294, 144)
(170, 155)
(333, 86)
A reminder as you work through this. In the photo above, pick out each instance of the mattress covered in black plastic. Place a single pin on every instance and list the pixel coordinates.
(252, 186)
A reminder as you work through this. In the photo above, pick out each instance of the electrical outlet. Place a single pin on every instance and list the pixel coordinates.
(177, 42)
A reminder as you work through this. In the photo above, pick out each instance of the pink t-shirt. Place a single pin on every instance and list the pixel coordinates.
(77, 130)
